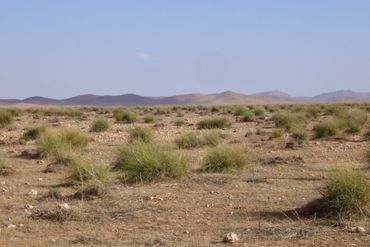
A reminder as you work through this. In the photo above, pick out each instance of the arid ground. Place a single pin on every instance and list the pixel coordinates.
(198, 209)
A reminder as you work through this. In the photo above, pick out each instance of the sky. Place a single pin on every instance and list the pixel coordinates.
(66, 48)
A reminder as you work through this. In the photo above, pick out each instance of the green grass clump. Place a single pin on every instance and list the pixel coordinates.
(299, 135)
(247, 117)
(33, 133)
(224, 159)
(346, 194)
(6, 118)
(140, 133)
(124, 116)
(179, 122)
(53, 142)
(277, 133)
(328, 128)
(259, 112)
(240, 110)
(147, 162)
(149, 118)
(100, 125)
(355, 120)
(213, 123)
(286, 121)
(193, 140)
(84, 171)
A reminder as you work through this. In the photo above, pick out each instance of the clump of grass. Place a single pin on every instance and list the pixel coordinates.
(240, 110)
(277, 133)
(179, 122)
(100, 125)
(368, 155)
(149, 119)
(83, 171)
(147, 162)
(346, 194)
(4, 169)
(286, 121)
(124, 116)
(33, 133)
(355, 120)
(140, 133)
(6, 118)
(328, 128)
(51, 143)
(299, 135)
(213, 123)
(193, 140)
(224, 159)
(247, 117)
(259, 112)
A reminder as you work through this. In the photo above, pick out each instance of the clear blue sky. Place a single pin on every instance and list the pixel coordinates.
(165, 47)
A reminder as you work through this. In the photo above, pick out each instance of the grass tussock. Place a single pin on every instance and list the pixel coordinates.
(224, 159)
(148, 162)
(6, 118)
(286, 121)
(53, 142)
(213, 123)
(33, 133)
(149, 118)
(194, 140)
(124, 116)
(299, 135)
(346, 194)
(100, 125)
(368, 154)
(328, 128)
(84, 171)
(141, 134)
(355, 120)
(4, 169)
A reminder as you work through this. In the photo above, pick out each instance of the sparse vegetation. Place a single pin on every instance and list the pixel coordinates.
(179, 122)
(124, 116)
(4, 169)
(147, 162)
(299, 135)
(328, 128)
(286, 121)
(140, 133)
(277, 133)
(83, 171)
(247, 117)
(224, 159)
(346, 194)
(213, 123)
(99, 125)
(149, 118)
(5, 118)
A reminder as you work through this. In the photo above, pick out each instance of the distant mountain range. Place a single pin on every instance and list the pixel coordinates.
(227, 97)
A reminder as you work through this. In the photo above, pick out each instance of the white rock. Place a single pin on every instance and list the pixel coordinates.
(63, 206)
(32, 192)
(231, 238)
(12, 226)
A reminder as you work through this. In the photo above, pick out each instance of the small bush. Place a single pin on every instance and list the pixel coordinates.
(327, 128)
(149, 118)
(5, 118)
(346, 194)
(33, 133)
(259, 112)
(123, 116)
(286, 121)
(193, 140)
(179, 122)
(51, 143)
(147, 162)
(240, 110)
(140, 133)
(223, 159)
(100, 125)
(247, 117)
(355, 120)
(214, 123)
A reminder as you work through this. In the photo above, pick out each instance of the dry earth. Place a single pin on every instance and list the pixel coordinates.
(197, 210)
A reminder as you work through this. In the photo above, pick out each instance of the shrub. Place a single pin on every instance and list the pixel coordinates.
(259, 112)
(33, 133)
(346, 194)
(313, 111)
(147, 162)
(240, 110)
(247, 117)
(367, 135)
(355, 120)
(213, 123)
(179, 122)
(5, 118)
(100, 125)
(223, 159)
(140, 133)
(123, 116)
(192, 140)
(149, 118)
(328, 128)
(51, 143)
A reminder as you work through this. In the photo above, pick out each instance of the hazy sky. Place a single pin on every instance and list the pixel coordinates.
(156, 47)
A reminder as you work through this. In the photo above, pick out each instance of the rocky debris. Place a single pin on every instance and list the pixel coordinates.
(11, 226)
(59, 213)
(290, 145)
(357, 229)
(63, 206)
(231, 238)
(277, 160)
(29, 154)
(32, 192)
(154, 198)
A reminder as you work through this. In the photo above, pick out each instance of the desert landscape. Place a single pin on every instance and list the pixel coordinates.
(185, 175)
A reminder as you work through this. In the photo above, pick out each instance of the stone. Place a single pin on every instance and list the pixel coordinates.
(231, 238)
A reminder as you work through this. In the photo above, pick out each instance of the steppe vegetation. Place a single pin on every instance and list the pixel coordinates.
(282, 175)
